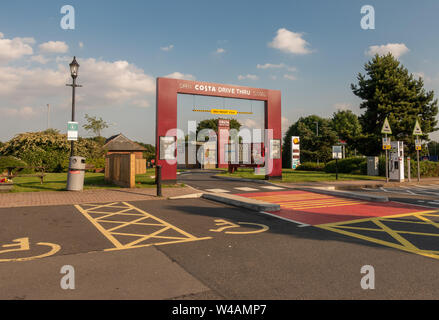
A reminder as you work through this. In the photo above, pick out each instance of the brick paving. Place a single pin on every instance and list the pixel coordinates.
(48, 198)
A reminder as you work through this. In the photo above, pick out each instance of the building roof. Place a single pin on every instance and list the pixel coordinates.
(119, 142)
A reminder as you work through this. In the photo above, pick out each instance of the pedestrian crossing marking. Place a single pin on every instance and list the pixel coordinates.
(245, 189)
(217, 190)
(148, 231)
(272, 188)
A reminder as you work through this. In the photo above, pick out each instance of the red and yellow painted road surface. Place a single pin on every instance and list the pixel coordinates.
(399, 226)
(315, 209)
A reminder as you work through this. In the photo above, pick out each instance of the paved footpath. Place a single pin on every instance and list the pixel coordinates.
(49, 198)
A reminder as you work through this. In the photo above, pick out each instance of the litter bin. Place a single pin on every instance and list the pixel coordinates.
(75, 177)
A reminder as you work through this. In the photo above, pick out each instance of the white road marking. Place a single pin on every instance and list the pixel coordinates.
(245, 189)
(272, 188)
(300, 224)
(217, 190)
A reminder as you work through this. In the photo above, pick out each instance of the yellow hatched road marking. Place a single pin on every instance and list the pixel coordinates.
(144, 235)
(403, 244)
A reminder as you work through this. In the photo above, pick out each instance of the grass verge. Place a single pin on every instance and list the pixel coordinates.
(290, 175)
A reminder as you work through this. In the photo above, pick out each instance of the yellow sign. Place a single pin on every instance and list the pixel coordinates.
(387, 147)
(223, 111)
(418, 148)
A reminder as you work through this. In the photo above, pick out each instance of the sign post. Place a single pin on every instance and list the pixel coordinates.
(295, 152)
(72, 131)
(337, 153)
(386, 144)
(418, 132)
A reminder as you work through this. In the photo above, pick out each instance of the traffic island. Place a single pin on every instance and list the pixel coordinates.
(238, 201)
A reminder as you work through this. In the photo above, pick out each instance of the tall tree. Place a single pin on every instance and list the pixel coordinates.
(313, 147)
(95, 125)
(213, 124)
(348, 127)
(389, 90)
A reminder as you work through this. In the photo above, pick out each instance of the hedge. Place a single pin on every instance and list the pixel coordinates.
(311, 166)
(355, 165)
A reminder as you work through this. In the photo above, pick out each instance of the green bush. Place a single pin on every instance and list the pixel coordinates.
(311, 166)
(349, 165)
(9, 161)
(98, 163)
(428, 168)
(49, 149)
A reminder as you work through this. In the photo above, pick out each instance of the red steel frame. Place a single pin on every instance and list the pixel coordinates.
(166, 114)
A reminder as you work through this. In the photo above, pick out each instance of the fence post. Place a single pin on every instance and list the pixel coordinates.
(159, 181)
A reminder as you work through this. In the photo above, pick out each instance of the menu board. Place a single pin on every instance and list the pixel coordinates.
(167, 148)
(275, 151)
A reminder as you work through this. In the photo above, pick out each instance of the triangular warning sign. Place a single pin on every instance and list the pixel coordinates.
(417, 130)
(386, 127)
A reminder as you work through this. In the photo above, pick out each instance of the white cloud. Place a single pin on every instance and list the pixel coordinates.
(290, 77)
(290, 42)
(181, 76)
(250, 123)
(249, 76)
(168, 48)
(396, 49)
(343, 106)
(12, 49)
(40, 59)
(81, 44)
(270, 66)
(20, 112)
(105, 84)
(54, 47)
(220, 50)
(422, 75)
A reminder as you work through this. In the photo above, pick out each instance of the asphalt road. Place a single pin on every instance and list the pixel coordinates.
(229, 253)
(205, 181)
(426, 195)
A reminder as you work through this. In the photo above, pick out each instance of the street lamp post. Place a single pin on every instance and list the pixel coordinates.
(317, 134)
(74, 67)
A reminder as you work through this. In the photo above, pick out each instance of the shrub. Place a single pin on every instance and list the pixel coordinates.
(98, 163)
(311, 166)
(49, 149)
(9, 161)
(349, 165)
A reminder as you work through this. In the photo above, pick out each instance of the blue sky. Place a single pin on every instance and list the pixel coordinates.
(317, 48)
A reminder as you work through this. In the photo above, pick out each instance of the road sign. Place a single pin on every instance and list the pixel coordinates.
(72, 131)
(295, 152)
(417, 130)
(386, 127)
(386, 144)
(337, 152)
(418, 145)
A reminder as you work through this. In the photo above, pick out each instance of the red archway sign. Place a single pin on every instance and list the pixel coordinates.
(166, 117)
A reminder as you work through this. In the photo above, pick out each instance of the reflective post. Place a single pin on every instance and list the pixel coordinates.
(159, 180)
(336, 168)
(419, 166)
(387, 163)
(408, 169)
